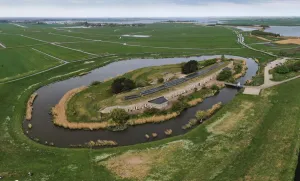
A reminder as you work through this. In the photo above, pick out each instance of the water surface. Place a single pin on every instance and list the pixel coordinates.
(285, 30)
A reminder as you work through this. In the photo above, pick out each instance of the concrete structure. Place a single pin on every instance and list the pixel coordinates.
(159, 103)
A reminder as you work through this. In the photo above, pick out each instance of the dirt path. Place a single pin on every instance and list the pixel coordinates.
(255, 90)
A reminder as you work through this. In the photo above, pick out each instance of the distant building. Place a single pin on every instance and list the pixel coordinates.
(159, 103)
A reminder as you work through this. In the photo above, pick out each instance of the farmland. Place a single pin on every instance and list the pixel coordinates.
(250, 138)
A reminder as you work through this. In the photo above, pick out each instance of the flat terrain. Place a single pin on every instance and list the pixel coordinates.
(252, 138)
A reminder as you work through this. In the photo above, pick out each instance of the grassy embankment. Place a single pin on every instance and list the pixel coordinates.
(85, 106)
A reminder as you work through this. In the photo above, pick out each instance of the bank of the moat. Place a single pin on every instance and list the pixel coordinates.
(44, 130)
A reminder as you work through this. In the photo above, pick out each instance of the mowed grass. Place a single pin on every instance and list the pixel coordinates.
(179, 36)
(62, 53)
(16, 40)
(19, 62)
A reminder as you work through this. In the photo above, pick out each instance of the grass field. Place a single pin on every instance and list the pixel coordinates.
(20, 62)
(251, 138)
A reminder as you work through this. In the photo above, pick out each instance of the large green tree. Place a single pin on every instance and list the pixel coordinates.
(122, 85)
(189, 67)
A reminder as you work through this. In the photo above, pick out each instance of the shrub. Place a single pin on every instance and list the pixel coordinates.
(224, 75)
(151, 111)
(282, 53)
(190, 124)
(215, 87)
(141, 83)
(179, 106)
(263, 33)
(121, 85)
(200, 115)
(119, 116)
(95, 83)
(223, 58)
(161, 80)
(295, 66)
(208, 62)
(238, 68)
(283, 69)
(189, 67)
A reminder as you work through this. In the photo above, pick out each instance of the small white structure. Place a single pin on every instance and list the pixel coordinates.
(159, 103)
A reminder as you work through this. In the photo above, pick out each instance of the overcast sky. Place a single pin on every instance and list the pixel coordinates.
(148, 8)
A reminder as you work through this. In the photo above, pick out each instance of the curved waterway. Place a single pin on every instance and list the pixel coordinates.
(48, 96)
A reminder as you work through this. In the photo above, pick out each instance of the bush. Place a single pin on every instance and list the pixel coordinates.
(161, 80)
(122, 85)
(223, 58)
(179, 106)
(295, 66)
(263, 33)
(215, 87)
(200, 115)
(238, 68)
(151, 111)
(95, 83)
(224, 75)
(119, 116)
(189, 67)
(208, 62)
(141, 83)
(283, 69)
(282, 54)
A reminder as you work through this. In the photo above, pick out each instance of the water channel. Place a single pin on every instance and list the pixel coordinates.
(49, 96)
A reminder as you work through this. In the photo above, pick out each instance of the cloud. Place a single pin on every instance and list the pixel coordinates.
(147, 8)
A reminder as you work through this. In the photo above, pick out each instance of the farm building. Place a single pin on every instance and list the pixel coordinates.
(159, 103)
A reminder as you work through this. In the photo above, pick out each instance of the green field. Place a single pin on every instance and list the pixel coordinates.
(251, 138)
(19, 62)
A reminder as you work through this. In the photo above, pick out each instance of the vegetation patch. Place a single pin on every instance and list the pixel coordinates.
(137, 164)
(288, 70)
(229, 120)
(30, 106)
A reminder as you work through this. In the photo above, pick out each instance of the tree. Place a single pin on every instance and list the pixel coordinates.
(224, 75)
(161, 80)
(223, 58)
(200, 115)
(122, 85)
(189, 67)
(119, 116)
(283, 69)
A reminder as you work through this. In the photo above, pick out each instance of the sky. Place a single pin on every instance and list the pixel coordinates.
(148, 8)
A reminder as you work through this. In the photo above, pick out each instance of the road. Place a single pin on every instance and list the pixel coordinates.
(241, 40)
